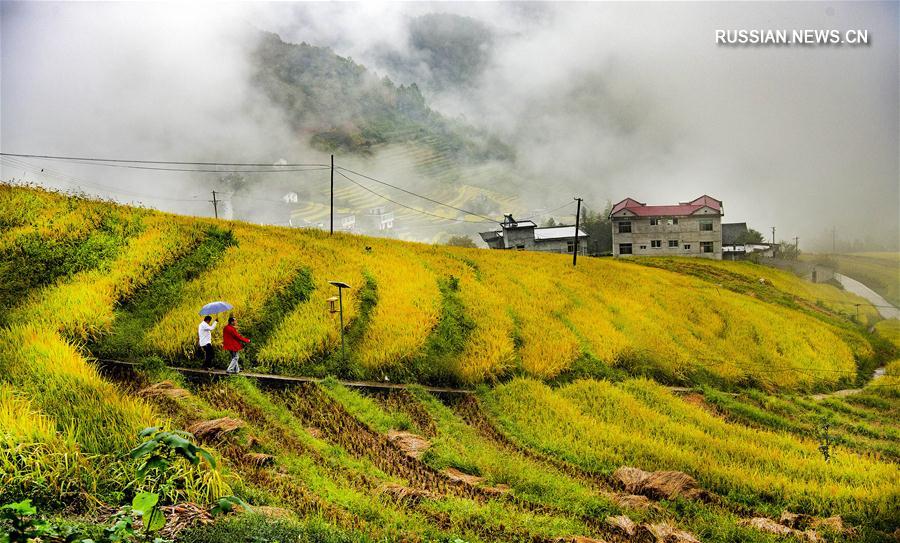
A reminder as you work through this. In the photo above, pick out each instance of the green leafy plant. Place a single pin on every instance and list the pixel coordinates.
(20, 523)
(157, 452)
(160, 448)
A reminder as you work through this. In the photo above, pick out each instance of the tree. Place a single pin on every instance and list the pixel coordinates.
(598, 227)
(549, 222)
(461, 241)
(751, 236)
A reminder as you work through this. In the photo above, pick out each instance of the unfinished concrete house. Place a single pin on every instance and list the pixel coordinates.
(687, 229)
(527, 236)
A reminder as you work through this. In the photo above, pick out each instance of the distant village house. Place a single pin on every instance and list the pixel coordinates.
(686, 229)
(527, 236)
(378, 218)
(737, 245)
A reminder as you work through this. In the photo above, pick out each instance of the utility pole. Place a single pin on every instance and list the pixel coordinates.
(215, 204)
(577, 224)
(332, 194)
(833, 240)
(773, 235)
(796, 242)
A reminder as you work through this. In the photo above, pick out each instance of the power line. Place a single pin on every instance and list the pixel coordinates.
(270, 168)
(567, 204)
(382, 196)
(432, 200)
(79, 183)
(170, 162)
(199, 170)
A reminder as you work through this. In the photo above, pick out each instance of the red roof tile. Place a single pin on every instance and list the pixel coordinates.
(684, 208)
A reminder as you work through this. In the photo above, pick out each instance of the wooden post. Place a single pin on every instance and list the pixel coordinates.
(215, 204)
(341, 305)
(577, 224)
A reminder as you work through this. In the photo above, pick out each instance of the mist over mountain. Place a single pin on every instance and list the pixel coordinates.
(503, 107)
(444, 51)
(343, 107)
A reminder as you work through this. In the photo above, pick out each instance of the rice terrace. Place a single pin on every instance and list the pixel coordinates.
(570, 392)
(449, 272)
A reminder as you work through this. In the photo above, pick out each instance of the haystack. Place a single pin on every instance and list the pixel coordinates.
(635, 501)
(797, 521)
(833, 524)
(621, 525)
(658, 485)
(411, 444)
(164, 389)
(406, 494)
(496, 490)
(182, 516)
(767, 525)
(259, 460)
(209, 430)
(662, 533)
(456, 475)
(630, 478)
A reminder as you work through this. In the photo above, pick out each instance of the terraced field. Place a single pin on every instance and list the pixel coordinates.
(494, 315)
(570, 368)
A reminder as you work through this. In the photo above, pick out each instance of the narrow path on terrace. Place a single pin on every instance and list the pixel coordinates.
(285, 379)
(885, 308)
(879, 373)
(288, 379)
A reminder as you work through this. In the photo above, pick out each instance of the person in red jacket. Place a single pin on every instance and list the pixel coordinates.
(233, 343)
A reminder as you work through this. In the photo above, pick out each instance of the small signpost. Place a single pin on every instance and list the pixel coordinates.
(340, 309)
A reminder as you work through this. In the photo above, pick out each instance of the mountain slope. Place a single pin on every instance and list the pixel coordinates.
(519, 461)
(343, 107)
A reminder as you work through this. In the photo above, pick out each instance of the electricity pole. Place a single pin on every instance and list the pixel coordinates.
(215, 204)
(577, 224)
(833, 240)
(332, 194)
(773, 235)
(796, 243)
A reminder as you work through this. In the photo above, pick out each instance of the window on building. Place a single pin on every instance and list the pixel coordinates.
(625, 227)
(654, 222)
(624, 248)
(706, 246)
(706, 225)
(570, 246)
(655, 243)
(670, 222)
(673, 243)
(643, 247)
(686, 246)
(520, 247)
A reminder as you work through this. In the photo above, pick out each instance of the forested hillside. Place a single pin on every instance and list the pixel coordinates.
(343, 107)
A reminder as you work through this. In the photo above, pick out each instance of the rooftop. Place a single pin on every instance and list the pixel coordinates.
(682, 209)
(557, 232)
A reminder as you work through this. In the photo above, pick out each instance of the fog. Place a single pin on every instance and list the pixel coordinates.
(600, 100)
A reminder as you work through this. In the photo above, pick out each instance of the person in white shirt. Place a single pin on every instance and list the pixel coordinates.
(204, 332)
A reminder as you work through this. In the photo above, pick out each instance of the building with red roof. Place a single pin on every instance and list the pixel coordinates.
(686, 229)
